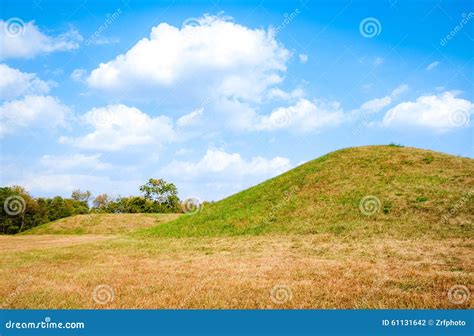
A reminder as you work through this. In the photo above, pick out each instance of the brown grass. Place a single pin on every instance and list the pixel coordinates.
(41, 242)
(321, 271)
(102, 223)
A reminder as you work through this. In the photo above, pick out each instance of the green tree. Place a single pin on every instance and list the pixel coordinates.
(161, 192)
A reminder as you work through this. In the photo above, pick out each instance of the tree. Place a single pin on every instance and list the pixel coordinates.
(82, 196)
(102, 201)
(162, 192)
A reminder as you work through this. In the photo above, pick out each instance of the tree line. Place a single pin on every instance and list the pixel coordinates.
(21, 211)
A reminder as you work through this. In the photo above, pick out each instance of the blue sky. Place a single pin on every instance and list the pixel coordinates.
(217, 96)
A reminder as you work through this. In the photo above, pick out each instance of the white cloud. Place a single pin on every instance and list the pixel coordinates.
(432, 66)
(441, 112)
(14, 83)
(399, 90)
(102, 40)
(304, 115)
(377, 104)
(227, 165)
(276, 93)
(32, 112)
(219, 173)
(303, 58)
(216, 57)
(118, 126)
(73, 161)
(29, 41)
(79, 75)
(189, 118)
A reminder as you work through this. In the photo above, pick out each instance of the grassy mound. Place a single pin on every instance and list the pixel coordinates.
(355, 192)
(101, 224)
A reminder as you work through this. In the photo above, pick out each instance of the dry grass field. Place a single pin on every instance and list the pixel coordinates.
(300, 240)
(312, 271)
(101, 224)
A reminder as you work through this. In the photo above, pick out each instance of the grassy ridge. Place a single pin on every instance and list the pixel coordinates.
(100, 224)
(416, 189)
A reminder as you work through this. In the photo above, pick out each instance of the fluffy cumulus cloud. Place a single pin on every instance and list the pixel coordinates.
(14, 83)
(215, 57)
(33, 112)
(304, 115)
(25, 40)
(220, 173)
(441, 112)
(229, 165)
(115, 127)
(378, 104)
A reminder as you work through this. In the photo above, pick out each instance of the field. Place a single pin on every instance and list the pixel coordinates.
(301, 240)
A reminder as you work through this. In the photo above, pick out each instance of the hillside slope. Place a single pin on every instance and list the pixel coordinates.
(359, 192)
(100, 224)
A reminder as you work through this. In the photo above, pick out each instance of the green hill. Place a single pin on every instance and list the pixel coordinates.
(355, 192)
